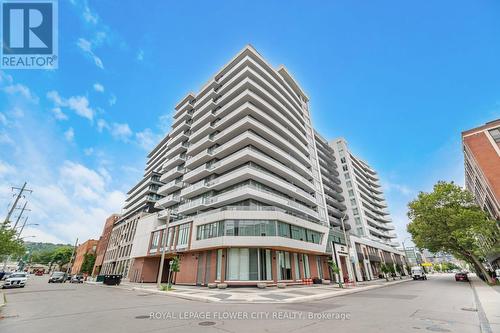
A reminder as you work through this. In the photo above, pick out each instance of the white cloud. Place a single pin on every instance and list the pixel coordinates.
(102, 125)
(121, 131)
(399, 188)
(6, 168)
(22, 90)
(89, 16)
(87, 48)
(58, 114)
(165, 122)
(112, 100)
(79, 104)
(69, 135)
(88, 151)
(98, 87)
(147, 139)
(140, 55)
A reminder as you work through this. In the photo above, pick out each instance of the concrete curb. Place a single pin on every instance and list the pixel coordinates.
(3, 299)
(487, 303)
(299, 299)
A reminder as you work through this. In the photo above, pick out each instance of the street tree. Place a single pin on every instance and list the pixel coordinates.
(62, 256)
(448, 220)
(88, 263)
(10, 245)
(336, 271)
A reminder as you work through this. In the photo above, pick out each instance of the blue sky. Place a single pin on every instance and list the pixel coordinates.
(400, 81)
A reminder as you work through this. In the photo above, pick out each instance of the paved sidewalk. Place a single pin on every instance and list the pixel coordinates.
(290, 294)
(488, 299)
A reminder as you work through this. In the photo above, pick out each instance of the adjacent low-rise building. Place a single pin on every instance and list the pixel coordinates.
(86, 248)
(481, 146)
(102, 244)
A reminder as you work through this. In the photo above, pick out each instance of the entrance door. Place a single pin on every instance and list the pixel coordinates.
(343, 264)
(200, 270)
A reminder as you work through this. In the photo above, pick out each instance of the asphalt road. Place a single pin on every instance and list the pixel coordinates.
(437, 305)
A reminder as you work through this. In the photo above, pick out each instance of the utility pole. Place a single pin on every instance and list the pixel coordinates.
(21, 214)
(71, 259)
(22, 228)
(21, 190)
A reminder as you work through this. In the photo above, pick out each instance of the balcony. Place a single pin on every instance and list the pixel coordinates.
(244, 192)
(177, 149)
(194, 189)
(172, 174)
(183, 126)
(174, 161)
(171, 186)
(168, 201)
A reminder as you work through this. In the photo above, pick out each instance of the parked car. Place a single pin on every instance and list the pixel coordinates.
(77, 278)
(16, 279)
(57, 277)
(461, 276)
(418, 273)
(39, 273)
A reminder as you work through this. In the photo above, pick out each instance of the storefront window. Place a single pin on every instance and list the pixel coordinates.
(245, 264)
(218, 264)
(305, 262)
(284, 265)
(296, 262)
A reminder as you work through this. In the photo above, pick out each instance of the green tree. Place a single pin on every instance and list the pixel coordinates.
(336, 270)
(62, 256)
(88, 263)
(448, 220)
(10, 245)
(385, 270)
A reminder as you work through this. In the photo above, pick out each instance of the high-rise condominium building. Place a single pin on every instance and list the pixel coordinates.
(367, 208)
(243, 192)
(140, 202)
(481, 147)
(243, 188)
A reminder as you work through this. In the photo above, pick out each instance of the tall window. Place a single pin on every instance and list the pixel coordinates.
(284, 265)
(242, 264)
(320, 267)
(305, 263)
(183, 238)
(154, 240)
(218, 265)
(296, 266)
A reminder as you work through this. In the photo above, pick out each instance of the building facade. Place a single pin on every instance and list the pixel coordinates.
(243, 194)
(243, 190)
(481, 146)
(88, 247)
(102, 244)
(140, 202)
(367, 208)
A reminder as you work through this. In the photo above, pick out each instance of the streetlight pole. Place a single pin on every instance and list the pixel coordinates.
(163, 251)
(404, 250)
(347, 244)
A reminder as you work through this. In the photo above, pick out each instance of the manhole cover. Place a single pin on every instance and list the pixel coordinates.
(470, 309)
(142, 317)
(436, 328)
(207, 323)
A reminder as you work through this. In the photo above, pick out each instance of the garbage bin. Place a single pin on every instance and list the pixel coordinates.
(99, 278)
(112, 279)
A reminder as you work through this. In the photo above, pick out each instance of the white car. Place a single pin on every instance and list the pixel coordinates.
(17, 279)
